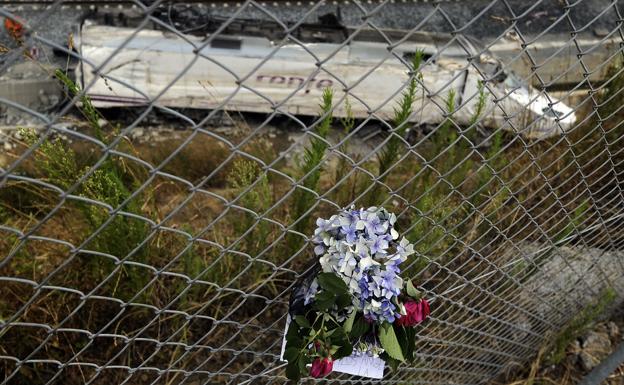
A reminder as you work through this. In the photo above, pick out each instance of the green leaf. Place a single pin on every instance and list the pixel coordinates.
(410, 334)
(359, 328)
(301, 362)
(292, 371)
(339, 333)
(345, 350)
(400, 335)
(406, 337)
(292, 336)
(291, 354)
(324, 300)
(343, 300)
(392, 363)
(332, 283)
(412, 291)
(293, 331)
(389, 341)
(302, 321)
(348, 325)
(337, 336)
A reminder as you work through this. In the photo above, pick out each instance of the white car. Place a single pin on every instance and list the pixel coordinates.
(254, 74)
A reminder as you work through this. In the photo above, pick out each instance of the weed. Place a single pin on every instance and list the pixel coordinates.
(610, 98)
(122, 235)
(310, 170)
(258, 199)
(352, 184)
(86, 107)
(465, 144)
(575, 222)
(487, 175)
(435, 232)
(445, 134)
(347, 125)
(53, 159)
(194, 264)
(479, 108)
(450, 154)
(431, 233)
(400, 123)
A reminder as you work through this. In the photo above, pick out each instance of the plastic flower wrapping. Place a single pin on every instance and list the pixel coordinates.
(354, 302)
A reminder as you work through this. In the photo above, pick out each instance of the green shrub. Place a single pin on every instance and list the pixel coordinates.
(56, 162)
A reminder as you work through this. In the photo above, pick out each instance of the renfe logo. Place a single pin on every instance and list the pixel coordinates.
(294, 81)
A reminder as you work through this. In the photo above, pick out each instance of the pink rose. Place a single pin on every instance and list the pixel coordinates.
(321, 367)
(416, 312)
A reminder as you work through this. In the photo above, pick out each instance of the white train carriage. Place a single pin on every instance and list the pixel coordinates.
(253, 74)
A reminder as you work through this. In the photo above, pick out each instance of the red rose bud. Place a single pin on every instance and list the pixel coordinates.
(425, 308)
(416, 312)
(316, 369)
(328, 365)
(321, 367)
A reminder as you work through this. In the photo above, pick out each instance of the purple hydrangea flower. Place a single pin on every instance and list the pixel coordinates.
(378, 244)
(374, 224)
(362, 247)
(350, 233)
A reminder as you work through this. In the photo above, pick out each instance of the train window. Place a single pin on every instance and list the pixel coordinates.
(551, 112)
(223, 43)
(512, 81)
(499, 74)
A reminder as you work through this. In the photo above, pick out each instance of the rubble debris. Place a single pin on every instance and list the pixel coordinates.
(29, 85)
(14, 28)
(595, 347)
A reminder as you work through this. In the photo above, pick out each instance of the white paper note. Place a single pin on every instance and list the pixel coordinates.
(284, 339)
(364, 366)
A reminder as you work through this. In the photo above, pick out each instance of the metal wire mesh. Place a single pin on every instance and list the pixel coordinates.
(158, 242)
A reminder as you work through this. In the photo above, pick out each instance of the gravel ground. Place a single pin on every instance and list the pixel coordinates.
(582, 355)
(572, 277)
(494, 20)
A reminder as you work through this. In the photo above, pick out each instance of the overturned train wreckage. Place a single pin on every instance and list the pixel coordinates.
(255, 74)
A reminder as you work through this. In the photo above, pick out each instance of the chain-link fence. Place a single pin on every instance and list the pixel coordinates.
(164, 164)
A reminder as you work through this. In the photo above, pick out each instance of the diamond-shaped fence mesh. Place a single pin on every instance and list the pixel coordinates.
(163, 165)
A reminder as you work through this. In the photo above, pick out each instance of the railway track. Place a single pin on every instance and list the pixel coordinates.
(486, 21)
(200, 3)
(483, 18)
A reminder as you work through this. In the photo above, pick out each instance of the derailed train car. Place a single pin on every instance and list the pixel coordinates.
(254, 74)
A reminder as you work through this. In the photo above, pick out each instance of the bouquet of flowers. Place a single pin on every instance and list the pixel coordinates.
(354, 302)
